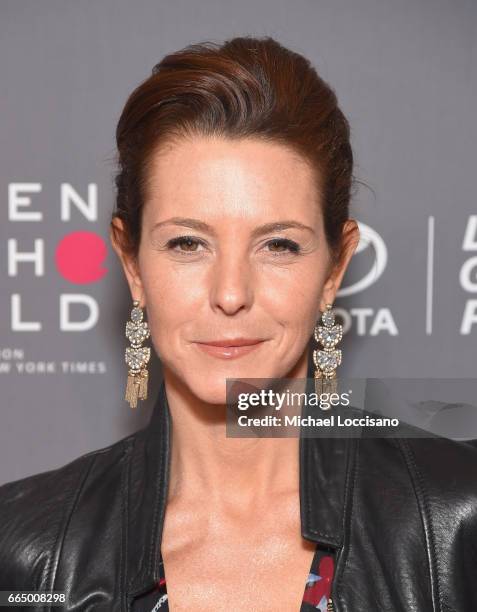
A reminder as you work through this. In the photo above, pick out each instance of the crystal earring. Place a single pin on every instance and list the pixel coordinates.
(137, 356)
(329, 358)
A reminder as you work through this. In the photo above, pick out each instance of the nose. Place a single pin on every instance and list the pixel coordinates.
(231, 285)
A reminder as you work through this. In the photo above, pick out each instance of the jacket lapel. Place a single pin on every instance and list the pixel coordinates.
(147, 497)
(325, 488)
(326, 473)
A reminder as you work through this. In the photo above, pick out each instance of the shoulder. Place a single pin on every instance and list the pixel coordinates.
(440, 467)
(443, 476)
(444, 480)
(35, 512)
(443, 468)
(437, 475)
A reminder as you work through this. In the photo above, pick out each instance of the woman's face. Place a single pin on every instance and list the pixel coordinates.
(232, 246)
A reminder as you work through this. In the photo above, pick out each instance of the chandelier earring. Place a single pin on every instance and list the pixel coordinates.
(137, 356)
(328, 358)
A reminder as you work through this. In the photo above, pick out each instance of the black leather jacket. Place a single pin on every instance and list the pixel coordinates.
(401, 514)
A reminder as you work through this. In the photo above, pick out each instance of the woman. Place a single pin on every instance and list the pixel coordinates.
(233, 229)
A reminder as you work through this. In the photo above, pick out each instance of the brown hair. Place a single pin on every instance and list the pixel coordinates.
(245, 87)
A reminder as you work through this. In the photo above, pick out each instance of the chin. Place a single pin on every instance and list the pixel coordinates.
(213, 393)
(211, 387)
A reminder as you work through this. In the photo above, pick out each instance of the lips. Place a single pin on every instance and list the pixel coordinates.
(229, 349)
(232, 342)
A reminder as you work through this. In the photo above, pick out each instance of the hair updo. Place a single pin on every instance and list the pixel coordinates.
(245, 87)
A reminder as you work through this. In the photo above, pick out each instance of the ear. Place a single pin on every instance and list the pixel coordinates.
(129, 264)
(350, 241)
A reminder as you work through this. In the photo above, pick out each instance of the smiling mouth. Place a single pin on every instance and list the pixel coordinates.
(229, 352)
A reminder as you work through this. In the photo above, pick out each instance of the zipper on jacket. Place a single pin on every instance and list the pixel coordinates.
(329, 606)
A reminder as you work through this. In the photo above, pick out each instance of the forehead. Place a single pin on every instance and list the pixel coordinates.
(218, 176)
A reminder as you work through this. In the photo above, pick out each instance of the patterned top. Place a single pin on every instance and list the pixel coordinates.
(315, 597)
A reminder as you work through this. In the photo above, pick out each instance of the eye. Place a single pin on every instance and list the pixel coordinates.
(279, 245)
(190, 243)
(285, 245)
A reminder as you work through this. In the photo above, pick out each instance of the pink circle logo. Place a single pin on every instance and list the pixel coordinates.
(79, 257)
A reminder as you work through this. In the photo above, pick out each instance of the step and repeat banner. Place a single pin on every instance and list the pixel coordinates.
(405, 75)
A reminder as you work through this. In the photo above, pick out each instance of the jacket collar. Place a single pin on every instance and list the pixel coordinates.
(326, 467)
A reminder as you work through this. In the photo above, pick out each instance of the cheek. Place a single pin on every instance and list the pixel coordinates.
(294, 298)
(174, 283)
(171, 303)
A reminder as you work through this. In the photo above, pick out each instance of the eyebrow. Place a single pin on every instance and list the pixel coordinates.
(275, 226)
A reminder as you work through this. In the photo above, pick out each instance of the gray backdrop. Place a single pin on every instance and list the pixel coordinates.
(405, 75)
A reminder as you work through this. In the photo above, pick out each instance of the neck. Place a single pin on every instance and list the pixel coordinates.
(206, 464)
